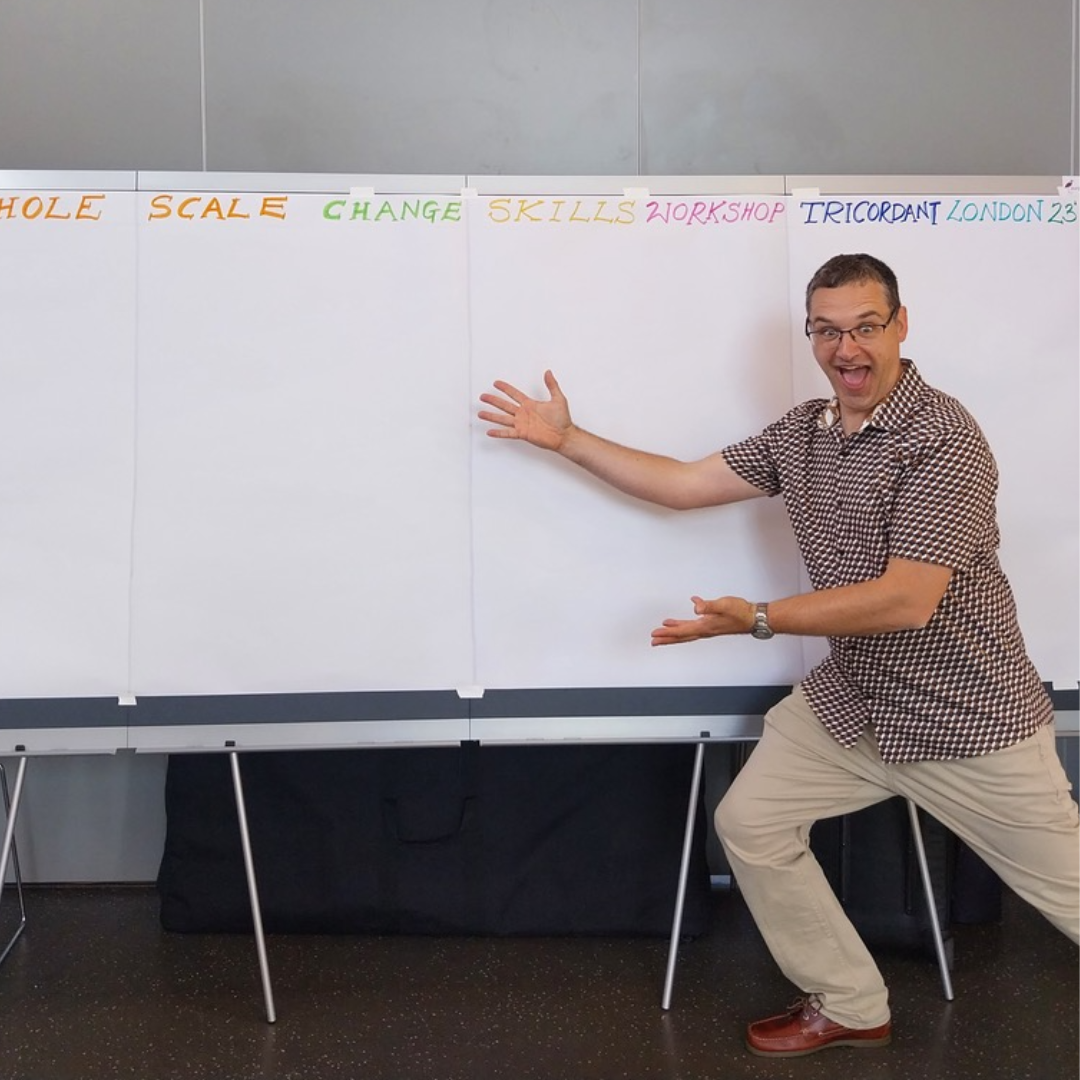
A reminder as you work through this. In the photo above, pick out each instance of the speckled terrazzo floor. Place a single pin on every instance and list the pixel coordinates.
(94, 988)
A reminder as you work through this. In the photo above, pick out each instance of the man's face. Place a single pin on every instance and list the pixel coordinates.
(862, 367)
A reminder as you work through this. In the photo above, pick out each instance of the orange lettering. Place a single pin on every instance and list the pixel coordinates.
(232, 210)
(160, 206)
(32, 207)
(184, 205)
(213, 209)
(274, 206)
(86, 204)
(51, 211)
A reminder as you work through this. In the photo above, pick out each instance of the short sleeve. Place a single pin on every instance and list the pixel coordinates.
(753, 461)
(944, 511)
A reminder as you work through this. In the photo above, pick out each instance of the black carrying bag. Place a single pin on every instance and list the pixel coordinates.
(469, 839)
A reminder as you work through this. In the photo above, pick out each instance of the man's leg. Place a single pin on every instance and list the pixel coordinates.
(796, 775)
(1014, 807)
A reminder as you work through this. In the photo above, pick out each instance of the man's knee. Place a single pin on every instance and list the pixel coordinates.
(731, 820)
(749, 832)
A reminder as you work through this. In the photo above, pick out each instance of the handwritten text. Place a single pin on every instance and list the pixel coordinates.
(1022, 211)
(217, 208)
(713, 211)
(51, 208)
(430, 210)
(860, 211)
(564, 211)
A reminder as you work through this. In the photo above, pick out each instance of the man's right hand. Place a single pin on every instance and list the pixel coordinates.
(678, 485)
(545, 424)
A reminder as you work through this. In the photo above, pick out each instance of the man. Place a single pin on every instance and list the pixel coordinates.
(927, 691)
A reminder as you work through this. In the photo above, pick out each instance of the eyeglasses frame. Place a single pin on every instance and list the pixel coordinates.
(811, 334)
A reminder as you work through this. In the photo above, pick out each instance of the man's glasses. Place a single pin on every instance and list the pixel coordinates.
(862, 334)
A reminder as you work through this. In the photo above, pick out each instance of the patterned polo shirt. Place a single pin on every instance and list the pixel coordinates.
(917, 481)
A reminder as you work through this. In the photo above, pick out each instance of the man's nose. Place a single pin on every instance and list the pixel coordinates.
(847, 345)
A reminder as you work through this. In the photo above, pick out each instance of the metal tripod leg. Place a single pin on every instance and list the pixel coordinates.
(253, 892)
(684, 872)
(928, 890)
(11, 806)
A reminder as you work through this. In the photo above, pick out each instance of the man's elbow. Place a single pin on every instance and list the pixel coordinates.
(915, 611)
(916, 591)
(919, 618)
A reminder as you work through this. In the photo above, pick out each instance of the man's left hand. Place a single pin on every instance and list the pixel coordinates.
(725, 615)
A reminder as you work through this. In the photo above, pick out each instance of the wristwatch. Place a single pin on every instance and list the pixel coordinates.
(761, 629)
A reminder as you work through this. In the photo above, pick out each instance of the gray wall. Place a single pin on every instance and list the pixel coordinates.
(733, 87)
(525, 87)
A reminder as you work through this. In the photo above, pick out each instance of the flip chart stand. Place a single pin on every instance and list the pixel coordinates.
(10, 851)
(253, 892)
(11, 808)
(684, 871)
(931, 905)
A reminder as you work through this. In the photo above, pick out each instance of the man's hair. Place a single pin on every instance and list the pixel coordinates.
(847, 269)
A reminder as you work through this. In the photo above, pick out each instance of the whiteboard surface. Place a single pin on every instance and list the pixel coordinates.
(240, 455)
(661, 338)
(302, 519)
(67, 415)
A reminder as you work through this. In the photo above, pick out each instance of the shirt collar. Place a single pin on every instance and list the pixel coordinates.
(889, 412)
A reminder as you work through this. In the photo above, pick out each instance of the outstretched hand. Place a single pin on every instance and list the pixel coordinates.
(517, 416)
(726, 615)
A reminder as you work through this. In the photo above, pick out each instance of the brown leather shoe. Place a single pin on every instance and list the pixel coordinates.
(803, 1029)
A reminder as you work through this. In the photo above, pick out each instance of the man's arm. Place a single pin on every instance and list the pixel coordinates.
(904, 597)
(679, 485)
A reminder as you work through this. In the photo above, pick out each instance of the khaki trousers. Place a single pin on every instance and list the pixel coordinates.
(1013, 807)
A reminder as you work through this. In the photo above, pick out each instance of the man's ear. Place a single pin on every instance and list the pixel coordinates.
(900, 318)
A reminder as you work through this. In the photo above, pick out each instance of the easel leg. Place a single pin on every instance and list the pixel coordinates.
(253, 892)
(931, 904)
(9, 850)
(684, 873)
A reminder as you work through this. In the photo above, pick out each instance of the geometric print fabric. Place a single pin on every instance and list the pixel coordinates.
(917, 481)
